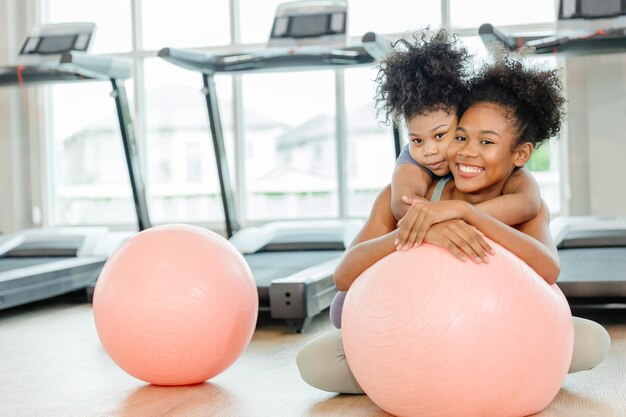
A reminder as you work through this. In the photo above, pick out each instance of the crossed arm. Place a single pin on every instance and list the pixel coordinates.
(520, 202)
(530, 241)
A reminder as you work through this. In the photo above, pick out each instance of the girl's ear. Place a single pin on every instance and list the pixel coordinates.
(522, 154)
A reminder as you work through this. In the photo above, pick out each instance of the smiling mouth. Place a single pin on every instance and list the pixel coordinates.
(469, 171)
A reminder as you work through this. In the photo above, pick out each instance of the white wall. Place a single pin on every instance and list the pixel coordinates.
(11, 195)
(16, 17)
(596, 134)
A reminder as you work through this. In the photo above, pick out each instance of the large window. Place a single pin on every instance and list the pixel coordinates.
(183, 182)
(289, 145)
(184, 23)
(285, 130)
(393, 16)
(370, 150)
(468, 14)
(88, 167)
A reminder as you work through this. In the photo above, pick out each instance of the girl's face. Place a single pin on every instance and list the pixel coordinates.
(482, 156)
(429, 137)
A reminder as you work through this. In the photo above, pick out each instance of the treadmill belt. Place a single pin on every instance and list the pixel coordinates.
(60, 247)
(9, 264)
(593, 264)
(268, 266)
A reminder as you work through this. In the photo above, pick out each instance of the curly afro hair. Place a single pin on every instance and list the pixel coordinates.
(424, 73)
(531, 96)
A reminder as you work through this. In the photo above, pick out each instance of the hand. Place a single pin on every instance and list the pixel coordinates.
(462, 239)
(421, 216)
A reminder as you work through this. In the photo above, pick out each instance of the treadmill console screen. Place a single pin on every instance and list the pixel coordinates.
(591, 9)
(57, 38)
(309, 25)
(55, 44)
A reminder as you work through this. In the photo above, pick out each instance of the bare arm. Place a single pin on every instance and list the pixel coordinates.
(520, 201)
(377, 240)
(372, 243)
(531, 241)
(409, 180)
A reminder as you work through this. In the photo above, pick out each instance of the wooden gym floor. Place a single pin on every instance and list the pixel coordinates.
(52, 364)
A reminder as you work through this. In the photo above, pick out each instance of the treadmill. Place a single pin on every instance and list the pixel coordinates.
(593, 259)
(592, 249)
(292, 262)
(41, 263)
(583, 27)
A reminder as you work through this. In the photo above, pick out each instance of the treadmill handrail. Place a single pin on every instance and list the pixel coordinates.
(249, 62)
(71, 65)
(374, 47)
(98, 65)
(589, 42)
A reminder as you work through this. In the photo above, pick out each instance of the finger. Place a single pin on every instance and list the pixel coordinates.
(423, 227)
(462, 242)
(485, 245)
(407, 224)
(412, 238)
(412, 199)
(482, 241)
(455, 251)
(476, 243)
(407, 199)
(398, 226)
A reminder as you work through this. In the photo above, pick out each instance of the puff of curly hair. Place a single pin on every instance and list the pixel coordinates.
(425, 73)
(531, 97)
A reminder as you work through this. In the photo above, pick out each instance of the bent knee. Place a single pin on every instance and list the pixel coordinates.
(322, 364)
(591, 345)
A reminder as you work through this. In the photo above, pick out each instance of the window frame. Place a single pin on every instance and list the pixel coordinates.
(138, 56)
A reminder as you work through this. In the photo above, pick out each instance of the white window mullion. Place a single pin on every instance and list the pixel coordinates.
(235, 27)
(140, 119)
(342, 146)
(38, 138)
(241, 203)
(445, 13)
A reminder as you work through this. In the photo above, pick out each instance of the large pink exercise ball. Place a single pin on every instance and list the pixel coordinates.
(175, 305)
(428, 335)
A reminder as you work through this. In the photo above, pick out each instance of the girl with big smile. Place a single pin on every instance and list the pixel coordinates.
(508, 111)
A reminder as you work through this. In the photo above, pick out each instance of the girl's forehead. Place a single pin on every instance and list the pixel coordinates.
(495, 116)
(431, 119)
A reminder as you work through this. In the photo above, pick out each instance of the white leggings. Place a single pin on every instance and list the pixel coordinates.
(323, 365)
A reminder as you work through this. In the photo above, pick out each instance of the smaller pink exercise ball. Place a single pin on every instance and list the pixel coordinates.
(175, 305)
(427, 335)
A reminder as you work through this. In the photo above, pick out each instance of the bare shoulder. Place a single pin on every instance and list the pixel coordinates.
(521, 180)
(539, 226)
